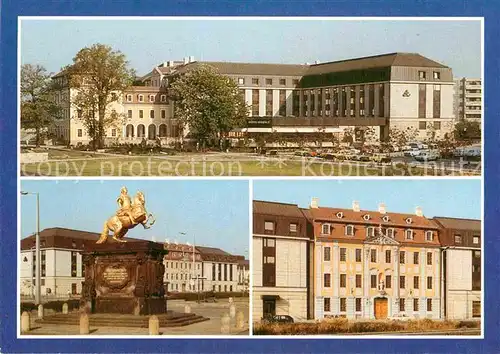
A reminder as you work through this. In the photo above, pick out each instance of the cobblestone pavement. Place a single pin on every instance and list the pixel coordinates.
(214, 311)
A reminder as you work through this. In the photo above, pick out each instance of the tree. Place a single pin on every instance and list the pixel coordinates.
(466, 130)
(100, 75)
(38, 109)
(209, 103)
(400, 138)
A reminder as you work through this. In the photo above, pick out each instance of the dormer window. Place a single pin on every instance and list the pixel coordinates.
(408, 220)
(389, 233)
(349, 230)
(129, 98)
(325, 229)
(366, 217)
(163, 98)
(429, 236)
(370, 231)
(386, 218)
(409, 234)
(151, 98)
(140, 98)
(340, 215)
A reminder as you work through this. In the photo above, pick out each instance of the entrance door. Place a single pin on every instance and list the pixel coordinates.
(380, 308)
(269, 308)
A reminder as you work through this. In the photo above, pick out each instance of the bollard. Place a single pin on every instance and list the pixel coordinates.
(224, 324)
(84, 323)
(232, 310)
(25, 322)
(230, 300)
(240, 320)
(40, 311)
(187, 309)
(65, 308)
(154, 325)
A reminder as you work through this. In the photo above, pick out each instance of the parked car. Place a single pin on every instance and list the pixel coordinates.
(302, 153)
(273, 152)
(278, 319)
(427, 156)
(381, 158)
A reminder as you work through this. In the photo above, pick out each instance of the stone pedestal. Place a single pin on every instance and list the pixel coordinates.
(124, 278)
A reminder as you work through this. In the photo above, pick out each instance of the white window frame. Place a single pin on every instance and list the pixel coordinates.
(368, 228)
(140, 98)
(151, 98)
(129, 98)
(474, 238)
(163, 114)
(296, 226)
(392, 232)
(431, 233)
(163, 98)
(340, 215)
(386, 218)
(406, 234)
(323, 229)
(351, 227)
(241, 81)
(366, 217)
(408, 220)
(266, 223)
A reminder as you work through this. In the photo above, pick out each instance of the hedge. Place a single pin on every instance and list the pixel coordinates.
(73, 304)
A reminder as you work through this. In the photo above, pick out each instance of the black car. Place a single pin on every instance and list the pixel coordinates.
(277, 319)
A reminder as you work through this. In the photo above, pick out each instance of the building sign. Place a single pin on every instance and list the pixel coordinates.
(115, 276)
(260, 122)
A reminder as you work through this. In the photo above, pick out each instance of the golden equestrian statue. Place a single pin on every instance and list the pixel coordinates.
(129, 215)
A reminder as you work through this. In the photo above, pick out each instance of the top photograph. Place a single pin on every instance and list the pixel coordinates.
(226, 96)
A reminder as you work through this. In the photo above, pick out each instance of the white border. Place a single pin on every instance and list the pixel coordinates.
(249, 178)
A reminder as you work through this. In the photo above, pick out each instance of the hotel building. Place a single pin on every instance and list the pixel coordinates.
(282, 255)
(398, 90)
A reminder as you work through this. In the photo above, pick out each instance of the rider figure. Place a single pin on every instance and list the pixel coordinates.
(125, 205)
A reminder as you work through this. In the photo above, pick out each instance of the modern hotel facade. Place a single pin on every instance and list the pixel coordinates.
(405, 91)
(363, 264)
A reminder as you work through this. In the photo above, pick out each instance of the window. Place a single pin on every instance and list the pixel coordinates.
(429, 283)
(429, 236)
(358, 304)
(343, 280)
(458, 239)
(437, 125)
(73, 264)
(340, 215)
(373, 281)
(402, 284)
(151, 98)
(477, 254)
(349, 230)
(387, 256)
(295, 82)
(325, 229)
(409, 234)
(293, 227)
(358, 280)
(141, 113)
(358, 254)
(255, 81)
(421, 75)
(113, 132)
(268, 242)
(408, 220)
(416, 280)
(429, 258)
(436, 75)
(390, 233)
(163, 98)
(422, 125)
(269, 226)
(326, 304)
(373, 256)
(429, 305)
(326, 254)
(241, 81)
(140, 98)
(343, 304)
(129, 113)
(388, 281)
(129, 98)
(415, 257)
(282, 82)
(268, 260)
(163, 113)
(476, 308)
(79, 133)
(475, 240)
(269, 82)
(370, 231)
(326, 280)
(415, 305)
(401, 305)
(151, 114)
(402, 257)
(342, 254)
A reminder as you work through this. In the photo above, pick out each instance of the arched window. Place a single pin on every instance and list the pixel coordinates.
(141, 130)
(162, 130)
(152, 132)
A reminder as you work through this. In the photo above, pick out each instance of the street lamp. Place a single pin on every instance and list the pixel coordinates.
(37, 245)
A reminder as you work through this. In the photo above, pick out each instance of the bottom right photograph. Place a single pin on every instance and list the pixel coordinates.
(367, 257)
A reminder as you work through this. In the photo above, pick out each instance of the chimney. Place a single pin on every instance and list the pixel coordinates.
(418, 211)
(381, 208)
(170, 63)
(355, 206)
(186, 60)
(191, 58)
(314, 203)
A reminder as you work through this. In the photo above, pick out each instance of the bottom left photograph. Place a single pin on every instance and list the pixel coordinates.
(133, 257)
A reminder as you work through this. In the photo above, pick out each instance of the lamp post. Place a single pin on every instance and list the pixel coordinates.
(37, 246)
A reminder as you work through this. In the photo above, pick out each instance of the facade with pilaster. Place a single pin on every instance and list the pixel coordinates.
(375, 264)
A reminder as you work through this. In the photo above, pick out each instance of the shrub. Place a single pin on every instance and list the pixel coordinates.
(73, 304)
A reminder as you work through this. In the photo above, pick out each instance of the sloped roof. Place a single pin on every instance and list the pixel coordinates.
(277, 209)
(459, 224)
(231, 68)
(211, 250)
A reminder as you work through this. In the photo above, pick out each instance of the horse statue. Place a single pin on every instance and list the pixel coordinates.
(127, 217)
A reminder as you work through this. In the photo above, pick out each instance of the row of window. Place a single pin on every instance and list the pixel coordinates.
(402, 305)
(175, 287)
(183, 265)
(152, 98)
(350, 230)
(79, 132)
(387, 283)
(422, 125)
(163, 113)
(373, 256)
(269, 82)
(183, 276)
(436, 75)
(269, 226)
(475, 239)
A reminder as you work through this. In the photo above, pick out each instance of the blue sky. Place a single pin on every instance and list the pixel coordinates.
(216, 212)
(53, 43)
(443, 197)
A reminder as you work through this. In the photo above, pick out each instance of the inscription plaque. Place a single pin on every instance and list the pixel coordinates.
(115, 276)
